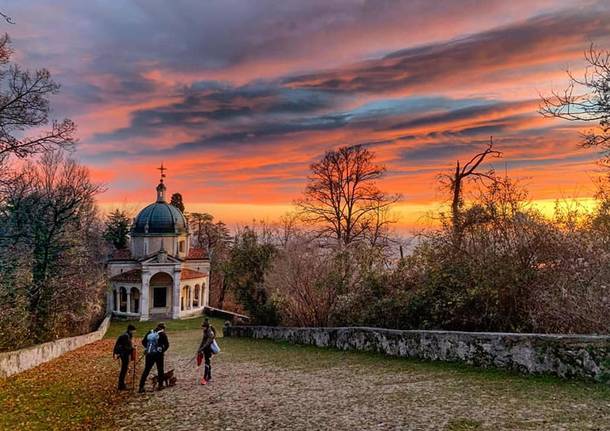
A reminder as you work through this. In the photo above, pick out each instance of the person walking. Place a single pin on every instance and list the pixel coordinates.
(205, 349)
(124, 350)
(155, 345)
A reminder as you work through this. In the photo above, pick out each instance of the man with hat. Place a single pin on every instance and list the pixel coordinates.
(155, 345)
(124, 350)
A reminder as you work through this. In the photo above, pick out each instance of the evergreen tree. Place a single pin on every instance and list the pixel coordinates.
(117, 229)
(250, 258)
(177, 202)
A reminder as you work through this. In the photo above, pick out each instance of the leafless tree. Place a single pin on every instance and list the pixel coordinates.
(586, 99)
(342, 200)
(7, 18)
(24, 104)
(455, 184)
(288, 228)
(303, 278)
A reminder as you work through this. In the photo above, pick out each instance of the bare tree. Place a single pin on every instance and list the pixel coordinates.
(586, 99)
(455, 184)
(7, 18)
(307, 280)
(287, 228)
(24, 104)
(342, 200)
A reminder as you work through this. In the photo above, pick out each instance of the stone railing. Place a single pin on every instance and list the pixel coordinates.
(30, 357)
(580, 356)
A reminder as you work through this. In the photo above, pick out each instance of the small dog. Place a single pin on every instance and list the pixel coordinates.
(168, 379)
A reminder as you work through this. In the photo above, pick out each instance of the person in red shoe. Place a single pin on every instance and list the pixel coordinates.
(205, 349)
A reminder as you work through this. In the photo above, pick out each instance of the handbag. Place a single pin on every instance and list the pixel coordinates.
(199, 358)
(215, 347)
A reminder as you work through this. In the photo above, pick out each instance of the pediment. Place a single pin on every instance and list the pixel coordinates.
(160, 257)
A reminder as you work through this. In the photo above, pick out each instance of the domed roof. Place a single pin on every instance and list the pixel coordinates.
(160, 217)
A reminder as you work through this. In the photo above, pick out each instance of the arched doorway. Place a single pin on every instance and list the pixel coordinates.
(196, 299)
(135, 300)
(184, 304)
(115, 300)
(123, 299)
(161, 293)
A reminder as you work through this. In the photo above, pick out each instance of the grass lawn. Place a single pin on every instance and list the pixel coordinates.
(117, 327)
(292, 357)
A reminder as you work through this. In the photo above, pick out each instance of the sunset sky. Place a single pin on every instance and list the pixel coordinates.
(237, 98)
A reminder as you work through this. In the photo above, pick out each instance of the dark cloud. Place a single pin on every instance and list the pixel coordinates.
(438, 151)
(484, 111)
(207, 102)
(465, 60)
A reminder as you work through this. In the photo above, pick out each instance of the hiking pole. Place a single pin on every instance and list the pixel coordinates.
(190, 361)
(135, 364)
(140, 358)
(133, 379)
(184, 365)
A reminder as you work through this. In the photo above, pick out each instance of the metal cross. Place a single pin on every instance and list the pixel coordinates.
(162, 169)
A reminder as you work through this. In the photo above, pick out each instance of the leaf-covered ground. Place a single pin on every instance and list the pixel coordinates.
(76, 391)
(262, 385)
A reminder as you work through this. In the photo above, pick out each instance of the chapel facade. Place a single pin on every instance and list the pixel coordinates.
(160, 275)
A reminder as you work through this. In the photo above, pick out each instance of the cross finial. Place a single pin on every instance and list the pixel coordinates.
(162, 169)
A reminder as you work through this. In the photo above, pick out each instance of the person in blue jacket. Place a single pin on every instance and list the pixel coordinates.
(155, 344)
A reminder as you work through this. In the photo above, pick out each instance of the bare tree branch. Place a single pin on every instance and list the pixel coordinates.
(592, 105)
(7, 18)
(342, 200)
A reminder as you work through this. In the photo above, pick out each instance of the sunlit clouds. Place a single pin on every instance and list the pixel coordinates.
(237, 98)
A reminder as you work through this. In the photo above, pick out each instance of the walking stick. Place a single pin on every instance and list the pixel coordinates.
(133, 379)
(135, 364)
(189, 362)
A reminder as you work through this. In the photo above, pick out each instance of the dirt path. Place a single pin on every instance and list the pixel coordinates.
(265, 386)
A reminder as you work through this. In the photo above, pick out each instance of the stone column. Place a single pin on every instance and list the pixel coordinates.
(128, 309)
(190, 297)
(205, 295)
(144, 308)
(109, 301)
(176, 296)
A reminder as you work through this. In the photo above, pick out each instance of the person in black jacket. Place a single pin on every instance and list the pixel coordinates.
(123, 349)
(155, 344)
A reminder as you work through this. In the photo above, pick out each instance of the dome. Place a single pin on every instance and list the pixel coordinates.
(160, 217)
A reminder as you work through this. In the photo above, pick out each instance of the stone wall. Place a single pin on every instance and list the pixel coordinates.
(578, 356)
(30, 357)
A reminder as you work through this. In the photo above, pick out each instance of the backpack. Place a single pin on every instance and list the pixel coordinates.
(152, 342)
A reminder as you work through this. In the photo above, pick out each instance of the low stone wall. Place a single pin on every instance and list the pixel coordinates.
(578, 356)
(30, 357)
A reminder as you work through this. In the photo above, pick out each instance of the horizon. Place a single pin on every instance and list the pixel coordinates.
(238, 120)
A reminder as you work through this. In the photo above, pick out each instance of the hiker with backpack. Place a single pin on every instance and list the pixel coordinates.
(205, 350)
(155, 344)
(124, 350)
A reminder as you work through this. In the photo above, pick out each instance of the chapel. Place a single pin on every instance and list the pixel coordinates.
(160, 275)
